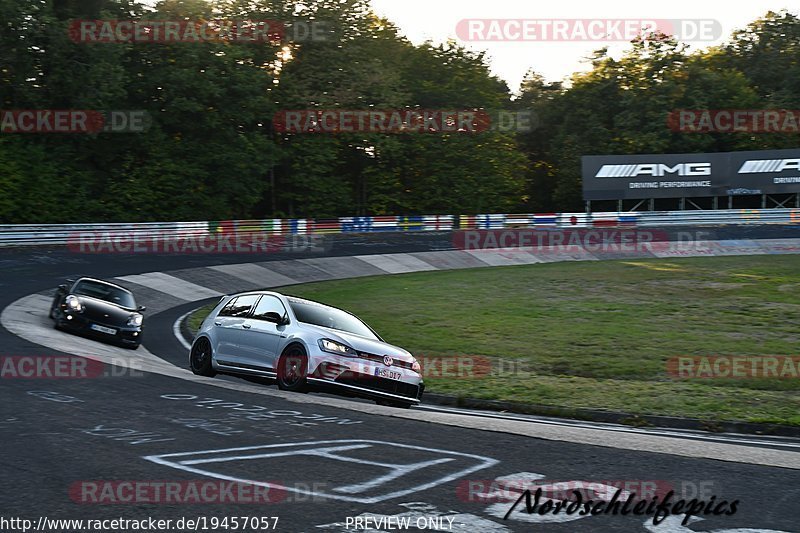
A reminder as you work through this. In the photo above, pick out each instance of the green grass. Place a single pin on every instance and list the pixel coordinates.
(596, 335)
(196, 318)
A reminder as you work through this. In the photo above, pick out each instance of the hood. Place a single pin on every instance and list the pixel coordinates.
(360, 344)
(104, 312)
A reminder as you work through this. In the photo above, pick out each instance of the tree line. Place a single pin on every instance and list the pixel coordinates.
(211, 152)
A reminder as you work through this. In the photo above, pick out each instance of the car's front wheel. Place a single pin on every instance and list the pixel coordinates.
(200, 358)
(293, 369)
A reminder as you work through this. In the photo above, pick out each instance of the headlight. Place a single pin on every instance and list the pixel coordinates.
(73, 304)
(135, 320)
(415, 367)
(338, 348)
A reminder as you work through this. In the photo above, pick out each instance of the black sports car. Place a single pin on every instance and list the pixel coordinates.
(98, 309)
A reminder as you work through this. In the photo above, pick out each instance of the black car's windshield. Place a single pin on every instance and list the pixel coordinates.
(329, 317)
(102, 291)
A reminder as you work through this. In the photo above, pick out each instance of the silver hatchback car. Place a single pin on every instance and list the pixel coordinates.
(303, 345)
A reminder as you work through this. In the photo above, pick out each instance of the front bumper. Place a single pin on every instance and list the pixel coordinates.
(78, 323)
(358, 377)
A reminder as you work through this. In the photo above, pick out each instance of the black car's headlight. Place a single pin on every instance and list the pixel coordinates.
(330, 346)
(135, 319)
(73, 304)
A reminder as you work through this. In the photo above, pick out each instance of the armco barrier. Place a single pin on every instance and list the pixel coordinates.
(60, 234)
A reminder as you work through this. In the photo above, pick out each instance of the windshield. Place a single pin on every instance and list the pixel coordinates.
(105, 292)
(330, 317)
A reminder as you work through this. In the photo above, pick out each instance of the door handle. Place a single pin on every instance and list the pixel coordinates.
(217, 323)
(246, 326)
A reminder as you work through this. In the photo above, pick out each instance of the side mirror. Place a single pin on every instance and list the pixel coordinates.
(62, 287)
(273, 317)
(141, 308)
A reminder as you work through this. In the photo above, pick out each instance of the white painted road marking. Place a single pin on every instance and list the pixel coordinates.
(176, 330)
(673, 524)
(177, 287)
(449, 465)
(396, 263)
(255, 274)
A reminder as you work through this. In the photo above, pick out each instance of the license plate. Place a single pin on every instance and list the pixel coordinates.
(103, 329)
(386, 373)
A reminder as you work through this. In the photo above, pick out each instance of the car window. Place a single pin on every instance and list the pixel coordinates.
(239, 306)
(330, 317)
(105, 292)
(268, 304)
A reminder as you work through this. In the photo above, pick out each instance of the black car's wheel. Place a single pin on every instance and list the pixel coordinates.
(293, 369)
(200, 358)
(54, 306)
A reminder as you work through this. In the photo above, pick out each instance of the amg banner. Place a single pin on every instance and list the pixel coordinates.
(620, 177)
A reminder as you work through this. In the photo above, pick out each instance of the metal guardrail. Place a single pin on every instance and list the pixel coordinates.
(70, 234)
(66, 234)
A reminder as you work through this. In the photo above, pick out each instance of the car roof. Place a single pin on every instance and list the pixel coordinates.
(302, 300)
(288, 297)
(104, 282)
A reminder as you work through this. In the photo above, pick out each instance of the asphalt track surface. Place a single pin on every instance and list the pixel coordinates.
(324, 459)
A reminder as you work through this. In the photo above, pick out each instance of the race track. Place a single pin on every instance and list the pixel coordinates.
(75, 447)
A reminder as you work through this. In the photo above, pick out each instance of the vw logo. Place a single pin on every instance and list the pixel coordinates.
(387, 360)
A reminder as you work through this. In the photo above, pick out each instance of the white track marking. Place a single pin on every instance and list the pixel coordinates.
(255, 274)
(673, 524)
(463, 464)
(396, 263)
(738, 439)
(176, 330)
(177, 287)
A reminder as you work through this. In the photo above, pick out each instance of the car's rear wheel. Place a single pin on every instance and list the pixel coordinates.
(200, 358)
(293, 369)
